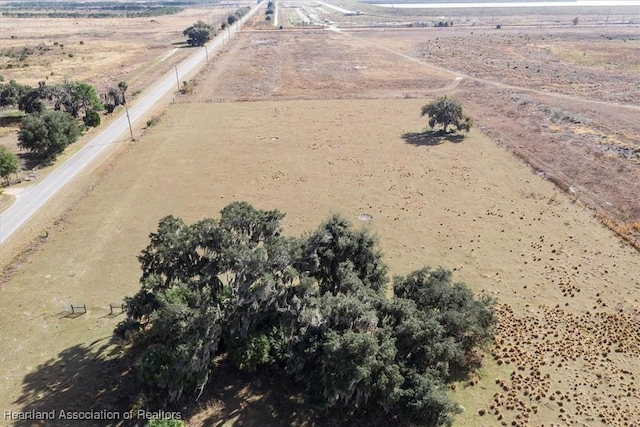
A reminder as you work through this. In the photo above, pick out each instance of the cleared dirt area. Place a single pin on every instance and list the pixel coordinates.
(568, 348)
(313, 64)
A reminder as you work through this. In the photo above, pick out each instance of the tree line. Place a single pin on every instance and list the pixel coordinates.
(319, 310)
(54, 115)
(200, 32)
(158, 11)
(235, 16)
(91, 10)
(271, 6)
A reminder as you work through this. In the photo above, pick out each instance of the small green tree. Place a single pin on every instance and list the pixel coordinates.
(123, 86)
(8, 163)
(77, 97)
(48, 133)
(446, 111)
(91, 119)
(199, 33)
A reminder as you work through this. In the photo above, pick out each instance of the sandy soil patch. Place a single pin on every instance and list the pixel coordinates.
(314, 64)
(580, 139)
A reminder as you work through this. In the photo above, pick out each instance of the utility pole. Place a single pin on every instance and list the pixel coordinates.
(129, 120)
(206, 51)
(177, 78)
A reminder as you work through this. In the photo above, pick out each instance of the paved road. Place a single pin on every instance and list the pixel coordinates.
(31, 199)
(483, 5)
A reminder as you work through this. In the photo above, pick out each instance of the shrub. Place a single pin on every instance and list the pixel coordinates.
(92, 119)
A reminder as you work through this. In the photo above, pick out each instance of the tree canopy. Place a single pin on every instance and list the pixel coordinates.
(446, 111)
(115, 96)
(48, 133)
(70, 96)
(316, 309)
(77, 97)
(11, 93)
(199, 33)
(8, 163)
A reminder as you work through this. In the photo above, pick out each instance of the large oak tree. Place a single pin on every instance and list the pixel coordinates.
(316, 309)
(447, 112)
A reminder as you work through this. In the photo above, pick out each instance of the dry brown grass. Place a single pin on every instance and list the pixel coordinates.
(101, 52)
(629, 232)
(567, 287)
(469, 206)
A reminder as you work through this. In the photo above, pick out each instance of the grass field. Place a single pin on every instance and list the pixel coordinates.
(469, 206)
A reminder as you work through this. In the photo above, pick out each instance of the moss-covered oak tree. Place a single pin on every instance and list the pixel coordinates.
(316, 309)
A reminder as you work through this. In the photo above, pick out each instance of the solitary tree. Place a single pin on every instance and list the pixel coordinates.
(8, 163)
(199, 33)
(48, 133)
(446, 111)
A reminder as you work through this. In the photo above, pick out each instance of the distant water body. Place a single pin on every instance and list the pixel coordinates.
(471, 5)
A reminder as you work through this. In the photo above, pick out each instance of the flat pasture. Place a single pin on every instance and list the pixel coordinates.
(468, 205)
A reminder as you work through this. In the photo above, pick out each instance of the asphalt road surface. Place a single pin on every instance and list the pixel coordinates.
(33, 198)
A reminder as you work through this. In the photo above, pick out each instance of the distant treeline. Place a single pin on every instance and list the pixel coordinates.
(91, 10)
(446, 1)
(71, 5)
